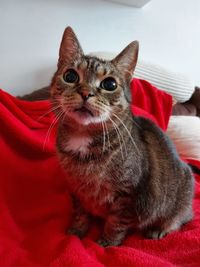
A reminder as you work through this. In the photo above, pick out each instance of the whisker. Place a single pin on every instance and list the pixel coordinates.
(118, 136)
(121, 136)
(126, 131)
(131, 118)
(59, 115)
(104, 136)
(136, 124)
(49, 111)
(107, 133)
(104, 109)
(65, 113)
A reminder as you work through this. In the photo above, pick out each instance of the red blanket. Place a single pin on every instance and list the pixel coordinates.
(35, 206)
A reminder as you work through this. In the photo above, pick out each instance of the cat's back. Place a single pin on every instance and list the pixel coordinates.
(165, 165)
(155, 138)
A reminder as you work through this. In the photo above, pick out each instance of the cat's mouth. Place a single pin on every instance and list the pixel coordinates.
(85, 116)
(83, 111)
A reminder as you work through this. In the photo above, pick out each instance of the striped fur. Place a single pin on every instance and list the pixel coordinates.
(119, 167)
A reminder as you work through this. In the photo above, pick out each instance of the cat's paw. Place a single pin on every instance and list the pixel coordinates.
(155, 234)
(79, 226)
(107, 243)
(78, 232)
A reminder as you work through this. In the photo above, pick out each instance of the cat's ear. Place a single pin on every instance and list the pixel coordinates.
(126, 62)
(70, 48)
(127, 59)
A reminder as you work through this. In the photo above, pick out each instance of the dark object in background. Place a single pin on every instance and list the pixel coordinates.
(40, 94)
(189, 108)
(184, 109)
(195, 99)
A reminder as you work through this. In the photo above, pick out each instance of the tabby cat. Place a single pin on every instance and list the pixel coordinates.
(120, 167)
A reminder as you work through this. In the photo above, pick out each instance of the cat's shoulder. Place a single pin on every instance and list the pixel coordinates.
(146, 124)
(150, 130)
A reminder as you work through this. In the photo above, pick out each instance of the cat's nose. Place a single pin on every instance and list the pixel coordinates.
(85, 95)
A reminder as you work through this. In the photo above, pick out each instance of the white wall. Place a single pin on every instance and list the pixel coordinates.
(31, 30)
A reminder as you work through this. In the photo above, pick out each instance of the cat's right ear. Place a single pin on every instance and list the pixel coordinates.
(70, 48)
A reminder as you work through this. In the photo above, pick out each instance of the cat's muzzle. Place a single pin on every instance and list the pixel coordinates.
(83, 111)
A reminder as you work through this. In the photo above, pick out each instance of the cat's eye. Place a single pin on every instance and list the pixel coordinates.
(109, 84)
(71, 76)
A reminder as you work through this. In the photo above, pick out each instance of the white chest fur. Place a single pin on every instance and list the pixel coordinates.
(78, 144)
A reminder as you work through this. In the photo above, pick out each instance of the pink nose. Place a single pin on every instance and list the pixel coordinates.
(85, 95)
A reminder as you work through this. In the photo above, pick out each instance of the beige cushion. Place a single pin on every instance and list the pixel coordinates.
(185, 133)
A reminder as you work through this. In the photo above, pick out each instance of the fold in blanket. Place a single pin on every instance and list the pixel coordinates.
(36, 208)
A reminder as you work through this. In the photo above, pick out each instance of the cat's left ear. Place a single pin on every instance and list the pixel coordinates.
(126, 62)
(70, 48)
(127, 59)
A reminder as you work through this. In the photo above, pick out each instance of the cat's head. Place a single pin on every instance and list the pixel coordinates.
(89, 90)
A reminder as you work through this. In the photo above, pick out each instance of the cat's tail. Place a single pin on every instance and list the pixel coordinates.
(194, 168)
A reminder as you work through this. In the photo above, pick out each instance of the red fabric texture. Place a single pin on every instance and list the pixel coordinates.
(35, 206)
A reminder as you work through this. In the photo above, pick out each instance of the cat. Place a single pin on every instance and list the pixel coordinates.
(120, 167)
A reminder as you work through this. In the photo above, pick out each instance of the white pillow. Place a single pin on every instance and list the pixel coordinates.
(185, 133)
(179, 85)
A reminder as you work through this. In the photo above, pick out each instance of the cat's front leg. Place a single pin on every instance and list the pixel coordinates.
(80, 220)
(114, 231)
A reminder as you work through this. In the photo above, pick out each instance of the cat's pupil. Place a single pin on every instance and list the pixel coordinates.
(109, 84)
(71, 76)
